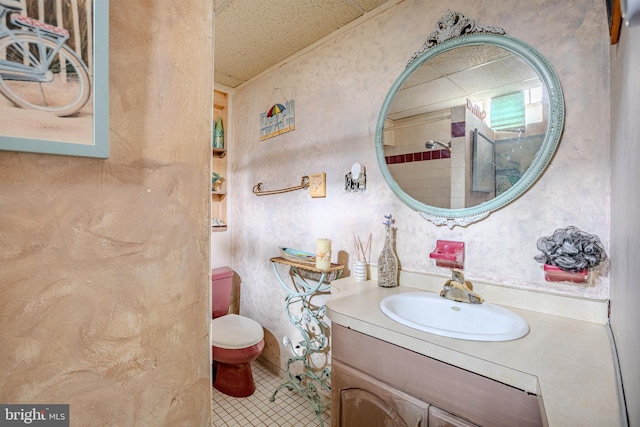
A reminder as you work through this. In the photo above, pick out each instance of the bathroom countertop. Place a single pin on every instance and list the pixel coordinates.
(568, 363)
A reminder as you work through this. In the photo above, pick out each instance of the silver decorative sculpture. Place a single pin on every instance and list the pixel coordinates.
(452, 25)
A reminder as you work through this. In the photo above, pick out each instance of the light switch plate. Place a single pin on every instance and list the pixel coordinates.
(317, 185)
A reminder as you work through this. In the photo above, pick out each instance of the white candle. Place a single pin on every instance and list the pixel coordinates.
(323, 254)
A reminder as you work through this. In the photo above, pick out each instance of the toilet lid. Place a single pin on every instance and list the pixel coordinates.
(233, 331)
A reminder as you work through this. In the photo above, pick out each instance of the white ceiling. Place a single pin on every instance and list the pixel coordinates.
(251, 36)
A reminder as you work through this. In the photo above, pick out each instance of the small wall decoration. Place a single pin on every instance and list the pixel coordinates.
(279, 119)
(477, 111)
(317, 184)
(54, 77)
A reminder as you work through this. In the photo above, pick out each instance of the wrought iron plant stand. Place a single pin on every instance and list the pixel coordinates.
(307, 282)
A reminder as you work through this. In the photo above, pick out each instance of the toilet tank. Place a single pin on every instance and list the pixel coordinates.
(221, 284)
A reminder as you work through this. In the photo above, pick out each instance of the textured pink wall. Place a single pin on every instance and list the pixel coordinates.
(104, 264)
(339, 87)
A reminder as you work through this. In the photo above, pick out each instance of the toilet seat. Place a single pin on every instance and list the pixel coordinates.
(235, 332)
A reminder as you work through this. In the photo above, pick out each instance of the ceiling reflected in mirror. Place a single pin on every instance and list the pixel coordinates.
(475, 73)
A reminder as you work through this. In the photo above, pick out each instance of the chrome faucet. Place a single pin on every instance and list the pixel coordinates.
(458, 289)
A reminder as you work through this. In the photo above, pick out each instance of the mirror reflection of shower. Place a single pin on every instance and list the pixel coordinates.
(430, 144)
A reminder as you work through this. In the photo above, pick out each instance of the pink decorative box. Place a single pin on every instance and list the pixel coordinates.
(555, 274)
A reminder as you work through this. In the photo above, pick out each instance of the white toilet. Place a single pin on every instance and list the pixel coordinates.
(236, 341)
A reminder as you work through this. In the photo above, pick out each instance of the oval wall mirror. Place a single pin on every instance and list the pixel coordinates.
(470, 124)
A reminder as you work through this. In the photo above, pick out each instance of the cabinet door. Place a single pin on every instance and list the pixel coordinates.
(440, 418)
(361, 401)
(360, 407)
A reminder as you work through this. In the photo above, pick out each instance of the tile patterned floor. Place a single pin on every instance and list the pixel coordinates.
(288, 410)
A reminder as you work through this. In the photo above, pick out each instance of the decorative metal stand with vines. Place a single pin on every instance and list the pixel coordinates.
(308, 319)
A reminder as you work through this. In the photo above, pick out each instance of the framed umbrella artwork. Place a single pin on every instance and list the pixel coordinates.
(279, 119)
(54, 77)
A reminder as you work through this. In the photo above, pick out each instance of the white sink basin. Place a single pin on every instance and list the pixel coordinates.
(431, 313)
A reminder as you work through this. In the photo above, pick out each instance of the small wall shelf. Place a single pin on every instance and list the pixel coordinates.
(555, 274)
(219, 194)
(219, 167)
(448, 254)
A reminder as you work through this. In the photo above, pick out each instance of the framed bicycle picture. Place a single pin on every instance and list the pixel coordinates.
(54, 77)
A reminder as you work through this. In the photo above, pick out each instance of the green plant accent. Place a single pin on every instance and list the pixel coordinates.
(216, 181)
(216, 177)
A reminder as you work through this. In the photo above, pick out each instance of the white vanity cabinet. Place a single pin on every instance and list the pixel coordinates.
(375, 383)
